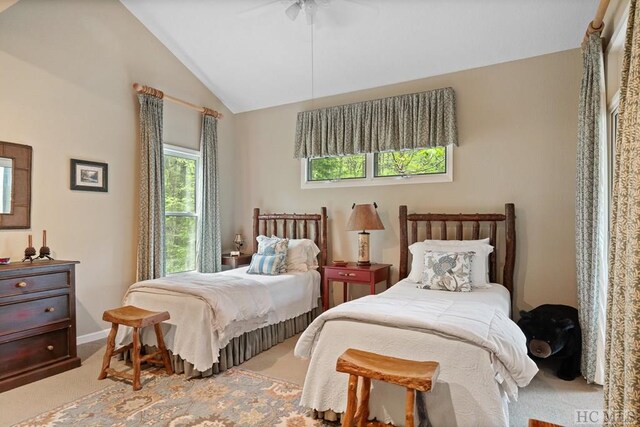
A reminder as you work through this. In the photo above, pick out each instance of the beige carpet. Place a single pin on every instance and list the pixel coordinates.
(547, 397)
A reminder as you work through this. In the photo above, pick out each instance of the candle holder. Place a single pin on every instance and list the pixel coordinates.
(30, 251)
(45, 252)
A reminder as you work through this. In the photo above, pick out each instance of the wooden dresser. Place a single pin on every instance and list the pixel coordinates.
(37, 321)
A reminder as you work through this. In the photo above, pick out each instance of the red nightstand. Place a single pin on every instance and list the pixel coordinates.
(352, 273)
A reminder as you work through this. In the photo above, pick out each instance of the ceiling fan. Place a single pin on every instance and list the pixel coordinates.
(309, 8)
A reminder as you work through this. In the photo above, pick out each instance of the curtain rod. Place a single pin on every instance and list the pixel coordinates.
(158, 93)
(598, 21)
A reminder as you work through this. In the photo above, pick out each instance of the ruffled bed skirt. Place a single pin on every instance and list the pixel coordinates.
(243, 347)
(327, 415)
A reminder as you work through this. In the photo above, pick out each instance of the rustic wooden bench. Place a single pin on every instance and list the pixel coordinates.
(411, 374)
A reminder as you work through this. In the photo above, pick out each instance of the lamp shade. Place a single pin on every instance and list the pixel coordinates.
(364, 217)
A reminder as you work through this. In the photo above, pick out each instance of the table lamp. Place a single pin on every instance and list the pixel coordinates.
(238, 241)
(364, 217)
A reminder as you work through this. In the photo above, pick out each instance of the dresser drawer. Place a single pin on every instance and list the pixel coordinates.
(33, 283)
(30, 352)
(348, 275)
(31, 314)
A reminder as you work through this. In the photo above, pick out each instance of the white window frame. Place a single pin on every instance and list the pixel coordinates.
(187, 153)
(371, 180)
(612, 119)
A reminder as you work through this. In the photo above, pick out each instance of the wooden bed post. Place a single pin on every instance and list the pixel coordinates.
(404, 244)
(323, 241)
(510, 257)
(256, 228)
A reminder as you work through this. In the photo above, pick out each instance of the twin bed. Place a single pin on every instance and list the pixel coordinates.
(220, 320)
(482, 354)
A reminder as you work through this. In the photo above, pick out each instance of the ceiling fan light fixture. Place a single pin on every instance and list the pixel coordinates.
(310, 8)
(293, 11)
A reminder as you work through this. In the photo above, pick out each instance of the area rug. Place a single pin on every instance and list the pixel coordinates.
(233, 398)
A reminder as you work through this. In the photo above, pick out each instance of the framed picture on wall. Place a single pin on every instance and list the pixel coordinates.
(89, 176)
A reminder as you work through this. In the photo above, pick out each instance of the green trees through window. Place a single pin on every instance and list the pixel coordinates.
(411, 162)
(181, 220)
(394, 163)
(332, 168)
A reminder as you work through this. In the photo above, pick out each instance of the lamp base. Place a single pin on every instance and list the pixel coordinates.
(363, 249)
(363, 264)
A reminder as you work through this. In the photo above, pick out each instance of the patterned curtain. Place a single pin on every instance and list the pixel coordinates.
(151, 220)
(209, 253)
(419, 120)
(622, 385)
(589, 198)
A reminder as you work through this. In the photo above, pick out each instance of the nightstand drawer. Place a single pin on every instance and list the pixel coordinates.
(236, 260)
(348, 275)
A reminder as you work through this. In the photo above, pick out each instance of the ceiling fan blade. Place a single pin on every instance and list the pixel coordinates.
(258, 8)
(371, 4)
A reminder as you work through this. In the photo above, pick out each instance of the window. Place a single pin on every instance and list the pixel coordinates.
(335, 168)
(393, 167)
(411, 162)
(612, 127)
(181, 186)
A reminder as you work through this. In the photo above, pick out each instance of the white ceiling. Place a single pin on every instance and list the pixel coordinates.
(257, 58)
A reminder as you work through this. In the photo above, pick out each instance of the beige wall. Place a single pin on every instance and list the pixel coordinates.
(66, 69)
(517, 123)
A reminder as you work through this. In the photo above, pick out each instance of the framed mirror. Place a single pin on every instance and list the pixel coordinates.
(15, 185)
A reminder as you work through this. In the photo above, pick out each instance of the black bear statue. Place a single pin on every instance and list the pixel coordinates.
(553, 332)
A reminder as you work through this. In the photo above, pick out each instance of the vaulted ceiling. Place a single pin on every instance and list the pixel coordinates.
(252, 56)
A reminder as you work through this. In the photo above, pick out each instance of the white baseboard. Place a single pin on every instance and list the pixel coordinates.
(94, 336)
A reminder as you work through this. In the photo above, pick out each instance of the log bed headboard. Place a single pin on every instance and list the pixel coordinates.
(294, 226)
(456, 223)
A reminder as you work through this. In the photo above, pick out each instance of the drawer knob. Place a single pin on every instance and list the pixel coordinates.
(347, 274)
(50, 347)
(22, 285)
(50, 309)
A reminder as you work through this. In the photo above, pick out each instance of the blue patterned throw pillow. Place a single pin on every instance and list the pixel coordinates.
(273, 246)
(266, 264)
(447, 271)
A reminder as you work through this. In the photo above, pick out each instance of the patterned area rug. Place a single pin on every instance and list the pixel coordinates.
(233, 398)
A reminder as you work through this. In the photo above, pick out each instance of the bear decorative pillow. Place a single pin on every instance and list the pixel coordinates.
(447, 271)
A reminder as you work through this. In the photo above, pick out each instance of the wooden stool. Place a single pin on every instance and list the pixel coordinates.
(136, 318)
(411, 374)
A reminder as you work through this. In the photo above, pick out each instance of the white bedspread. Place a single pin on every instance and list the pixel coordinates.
(209, 310)
(470, 334)
(231, 298)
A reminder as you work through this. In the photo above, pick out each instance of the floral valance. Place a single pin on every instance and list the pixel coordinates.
(418, 120)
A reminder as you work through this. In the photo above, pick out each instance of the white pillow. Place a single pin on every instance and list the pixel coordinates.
(302, 251)
(479, 263)
(297, 268)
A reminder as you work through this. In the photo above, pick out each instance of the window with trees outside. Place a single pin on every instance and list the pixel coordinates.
(393, 167)
(181, 186)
